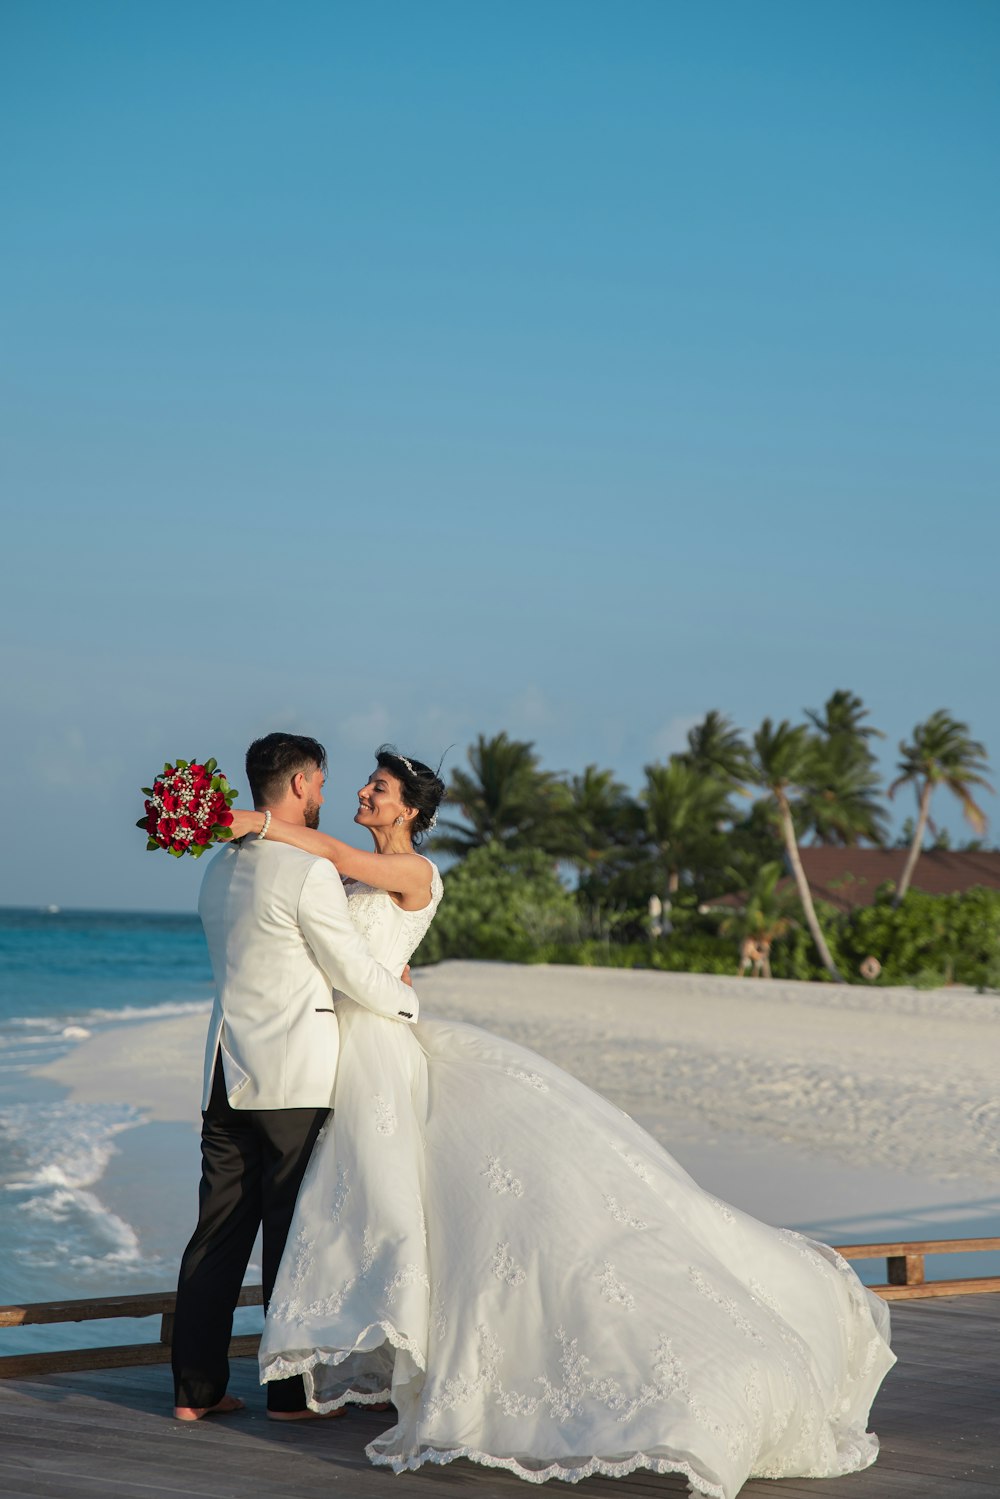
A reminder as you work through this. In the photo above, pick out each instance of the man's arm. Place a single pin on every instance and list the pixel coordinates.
(341, 951)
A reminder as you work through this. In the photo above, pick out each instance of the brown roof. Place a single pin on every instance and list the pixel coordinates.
(849, 877)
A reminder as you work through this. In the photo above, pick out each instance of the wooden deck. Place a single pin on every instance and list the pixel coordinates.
(108, 1432)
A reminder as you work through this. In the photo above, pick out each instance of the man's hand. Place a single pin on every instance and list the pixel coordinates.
(404, 977)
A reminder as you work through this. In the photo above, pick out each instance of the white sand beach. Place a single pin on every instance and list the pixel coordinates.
(853, 1113)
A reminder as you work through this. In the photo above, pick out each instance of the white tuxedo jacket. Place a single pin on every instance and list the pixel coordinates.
(280, 939)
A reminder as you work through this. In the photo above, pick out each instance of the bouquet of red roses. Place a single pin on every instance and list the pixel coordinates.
(187, 808)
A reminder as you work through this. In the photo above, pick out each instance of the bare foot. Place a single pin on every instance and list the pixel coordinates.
(306, 1415)
(223, 1407)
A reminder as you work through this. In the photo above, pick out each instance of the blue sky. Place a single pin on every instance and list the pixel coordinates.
(414, 370)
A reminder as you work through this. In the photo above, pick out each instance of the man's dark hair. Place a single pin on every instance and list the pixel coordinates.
(275, 759)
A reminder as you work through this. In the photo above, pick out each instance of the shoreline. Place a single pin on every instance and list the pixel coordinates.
(700, 1060)
(776, 1096)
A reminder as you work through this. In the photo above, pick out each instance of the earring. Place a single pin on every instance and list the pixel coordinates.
(399, 819)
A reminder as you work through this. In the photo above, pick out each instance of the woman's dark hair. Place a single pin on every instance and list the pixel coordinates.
(273, 760)
(422, 787)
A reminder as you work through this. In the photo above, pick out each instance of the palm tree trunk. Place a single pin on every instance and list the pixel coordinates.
(917, 844)
(802, 884)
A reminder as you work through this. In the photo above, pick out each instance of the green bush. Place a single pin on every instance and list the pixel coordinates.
(930, 938)
(512, 906)
(502, 904)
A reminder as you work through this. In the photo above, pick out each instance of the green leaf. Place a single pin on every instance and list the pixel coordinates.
(182, 764)
(216, 783)
(211, 765)
(151, 845)
(143, 822)
(146, 790)
(178, 853)
(222, 834)
(167, 768)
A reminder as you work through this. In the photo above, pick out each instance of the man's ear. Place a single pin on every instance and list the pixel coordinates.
(298, 784)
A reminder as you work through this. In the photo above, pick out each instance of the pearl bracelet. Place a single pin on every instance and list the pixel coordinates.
(267, 824)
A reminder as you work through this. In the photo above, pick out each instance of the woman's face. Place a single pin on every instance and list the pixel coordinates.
(380, 801)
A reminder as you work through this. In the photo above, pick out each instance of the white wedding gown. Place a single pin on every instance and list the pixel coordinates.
(538, 1286)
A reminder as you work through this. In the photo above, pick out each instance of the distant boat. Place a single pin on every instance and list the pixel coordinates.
(53, 910)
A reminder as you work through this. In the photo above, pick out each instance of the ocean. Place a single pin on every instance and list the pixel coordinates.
(70, 1226)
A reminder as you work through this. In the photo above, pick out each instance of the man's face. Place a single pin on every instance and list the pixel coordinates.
(314, 797)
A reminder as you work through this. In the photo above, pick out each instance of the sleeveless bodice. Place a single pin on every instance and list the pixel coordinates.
(393, 935)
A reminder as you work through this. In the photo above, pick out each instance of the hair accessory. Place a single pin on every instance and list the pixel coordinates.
(404, 761)
(433, 822)
(267, 824)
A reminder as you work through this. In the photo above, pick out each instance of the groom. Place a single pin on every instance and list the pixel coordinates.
(280, 940)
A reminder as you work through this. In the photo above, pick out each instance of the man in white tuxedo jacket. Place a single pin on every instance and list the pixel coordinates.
(281, 940)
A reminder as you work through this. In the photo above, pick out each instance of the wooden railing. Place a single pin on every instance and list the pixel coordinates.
(119, 1355)
(904, 1281)
(905, 1267)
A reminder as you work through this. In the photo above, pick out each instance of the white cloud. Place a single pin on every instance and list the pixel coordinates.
(530, 711)
(365, 730)
(672, 737)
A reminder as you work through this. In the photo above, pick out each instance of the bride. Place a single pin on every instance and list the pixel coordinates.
(525, 1273)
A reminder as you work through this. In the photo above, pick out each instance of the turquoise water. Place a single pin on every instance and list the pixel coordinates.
(65, 963)
(78, 1217)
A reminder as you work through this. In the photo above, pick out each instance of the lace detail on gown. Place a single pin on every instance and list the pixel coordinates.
(465, 1182)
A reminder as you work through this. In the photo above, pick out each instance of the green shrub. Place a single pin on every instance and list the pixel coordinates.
(501, 904)
(929, 938)
(512, 906)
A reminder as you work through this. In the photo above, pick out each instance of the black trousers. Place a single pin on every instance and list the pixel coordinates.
(252, 1165)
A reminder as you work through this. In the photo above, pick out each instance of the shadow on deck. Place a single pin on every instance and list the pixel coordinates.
(109, 1432)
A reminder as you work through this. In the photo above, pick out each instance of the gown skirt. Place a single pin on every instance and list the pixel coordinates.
(537, 1285)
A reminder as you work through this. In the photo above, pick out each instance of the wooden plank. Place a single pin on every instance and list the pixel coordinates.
(114, 1356)
(917, 1246)
(147, 1304)
(968, 1286)
(108, 1434)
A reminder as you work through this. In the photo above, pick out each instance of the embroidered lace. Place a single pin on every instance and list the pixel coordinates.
(463, 1184)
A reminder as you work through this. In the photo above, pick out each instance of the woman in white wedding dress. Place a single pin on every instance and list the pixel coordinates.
(525, 1273)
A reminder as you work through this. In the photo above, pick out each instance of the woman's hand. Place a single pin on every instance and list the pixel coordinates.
(245, 822)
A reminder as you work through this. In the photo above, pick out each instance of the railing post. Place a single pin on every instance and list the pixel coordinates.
(905, 1269)
(167, 1328)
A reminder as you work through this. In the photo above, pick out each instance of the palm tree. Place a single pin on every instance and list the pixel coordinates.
(780, 762)
(684, 811)
(506, 799)
(716, 747)
(769, 912)
(942, 754)
(841, 719)
(841, 798)
(604, 816)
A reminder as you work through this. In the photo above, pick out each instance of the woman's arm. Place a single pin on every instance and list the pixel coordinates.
(405, 875)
